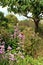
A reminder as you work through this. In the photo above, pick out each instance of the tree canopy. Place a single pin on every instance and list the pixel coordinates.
(24, 7)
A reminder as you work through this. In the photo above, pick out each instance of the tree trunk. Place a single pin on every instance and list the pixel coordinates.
(36, 21)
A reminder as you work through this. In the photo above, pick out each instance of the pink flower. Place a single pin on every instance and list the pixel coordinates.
(15, 34)
(9, 48)
(2, 46)
(21, 36)
(3, 42)
(2, 49)
(1, 52)
(11, 57)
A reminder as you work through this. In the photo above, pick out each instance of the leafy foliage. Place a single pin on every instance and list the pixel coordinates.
(24, 7)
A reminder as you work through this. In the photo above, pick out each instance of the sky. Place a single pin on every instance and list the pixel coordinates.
(4, 10)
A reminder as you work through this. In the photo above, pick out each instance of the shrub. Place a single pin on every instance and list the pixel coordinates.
(32, 42)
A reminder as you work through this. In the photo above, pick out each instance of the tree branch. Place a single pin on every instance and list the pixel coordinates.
(28, 16)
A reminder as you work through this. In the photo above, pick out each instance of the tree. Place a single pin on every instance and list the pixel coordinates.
(24, 7)
(3, 20)
(1, 16)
